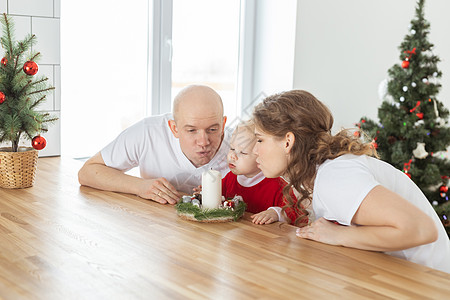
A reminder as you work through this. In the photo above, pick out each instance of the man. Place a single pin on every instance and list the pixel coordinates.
(172, 153)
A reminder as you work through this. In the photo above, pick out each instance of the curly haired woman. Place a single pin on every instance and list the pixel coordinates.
(358, 200)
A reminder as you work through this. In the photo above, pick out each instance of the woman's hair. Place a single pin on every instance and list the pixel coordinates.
(300, 113)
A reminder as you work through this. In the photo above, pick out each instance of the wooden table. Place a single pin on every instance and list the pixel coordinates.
(62, 241)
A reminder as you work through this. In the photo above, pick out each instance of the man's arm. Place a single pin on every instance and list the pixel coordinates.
(96, 174)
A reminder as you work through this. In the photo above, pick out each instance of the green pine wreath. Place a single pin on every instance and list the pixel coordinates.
(194, 213)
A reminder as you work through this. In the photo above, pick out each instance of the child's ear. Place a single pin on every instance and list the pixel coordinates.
(289, 141)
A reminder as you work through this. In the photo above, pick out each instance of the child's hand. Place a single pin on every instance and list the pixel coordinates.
(265, 217)
(197, 190)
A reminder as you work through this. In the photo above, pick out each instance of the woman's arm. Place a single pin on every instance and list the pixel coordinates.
(385, 222)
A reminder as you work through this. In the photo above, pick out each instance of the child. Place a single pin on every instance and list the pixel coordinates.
(262, 195)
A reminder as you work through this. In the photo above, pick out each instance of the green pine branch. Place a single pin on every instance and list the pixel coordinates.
(7, 42)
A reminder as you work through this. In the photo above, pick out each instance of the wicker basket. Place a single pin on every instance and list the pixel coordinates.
(17, 169)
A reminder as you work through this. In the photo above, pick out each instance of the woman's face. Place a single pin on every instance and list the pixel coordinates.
(272, 155)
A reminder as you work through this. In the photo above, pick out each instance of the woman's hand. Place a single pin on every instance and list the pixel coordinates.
(321, 230)
(265, 217)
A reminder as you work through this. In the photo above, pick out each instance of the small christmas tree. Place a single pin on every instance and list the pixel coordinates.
(412, 128)
(20, 91)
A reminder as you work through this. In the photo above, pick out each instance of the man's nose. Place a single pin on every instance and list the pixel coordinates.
(203, 139)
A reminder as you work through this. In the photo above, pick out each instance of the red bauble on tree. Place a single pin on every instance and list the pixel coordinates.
(2, 98)
(30, 67)
(4, 61)
(38, 142)
(405, 64)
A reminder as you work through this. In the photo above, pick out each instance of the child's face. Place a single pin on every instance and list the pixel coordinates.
(241, 159)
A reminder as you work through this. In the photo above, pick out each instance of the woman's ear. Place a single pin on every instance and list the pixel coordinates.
(289, 141)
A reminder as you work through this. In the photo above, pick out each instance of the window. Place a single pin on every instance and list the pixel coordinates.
(205, 41)
(121, 62)
(103, 72)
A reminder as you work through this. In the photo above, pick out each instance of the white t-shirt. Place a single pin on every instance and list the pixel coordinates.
(151, 145)
(343, 183)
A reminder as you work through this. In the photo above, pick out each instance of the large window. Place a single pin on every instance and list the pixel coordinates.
(103, 71)
(205, 39)
(108, 56)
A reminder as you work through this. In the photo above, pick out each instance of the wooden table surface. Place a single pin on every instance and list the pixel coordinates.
(62, 241)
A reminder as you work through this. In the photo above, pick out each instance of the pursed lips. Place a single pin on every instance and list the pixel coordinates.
(203, 153)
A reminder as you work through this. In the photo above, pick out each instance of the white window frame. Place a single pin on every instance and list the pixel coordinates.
(159, 71)
(160, 56)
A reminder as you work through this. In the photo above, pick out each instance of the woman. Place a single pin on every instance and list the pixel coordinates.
(381, 208)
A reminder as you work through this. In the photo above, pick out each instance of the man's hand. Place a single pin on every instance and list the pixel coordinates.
(159, 190)
(265, 217)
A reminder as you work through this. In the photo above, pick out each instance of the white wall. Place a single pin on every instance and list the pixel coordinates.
(344, 49)
(42, 18)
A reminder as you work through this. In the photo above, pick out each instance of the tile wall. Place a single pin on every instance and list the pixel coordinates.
(42, 18)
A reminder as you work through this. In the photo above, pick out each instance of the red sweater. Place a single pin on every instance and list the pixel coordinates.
(259, 197)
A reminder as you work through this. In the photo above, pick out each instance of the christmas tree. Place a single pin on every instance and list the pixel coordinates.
(21, 91)
(412, 132)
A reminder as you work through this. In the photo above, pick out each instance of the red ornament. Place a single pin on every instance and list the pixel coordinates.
(407, 174)
(405, 64)
(443, 189)
(2, 98)
(38, 142)
(228, 203)
(30, 67)
(4, 61)
(420, 115)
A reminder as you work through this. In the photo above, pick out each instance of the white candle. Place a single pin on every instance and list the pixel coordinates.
(211, 189)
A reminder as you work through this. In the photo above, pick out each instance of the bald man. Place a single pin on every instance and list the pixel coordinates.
(172, 151)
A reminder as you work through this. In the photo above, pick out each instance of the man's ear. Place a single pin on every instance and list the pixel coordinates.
(173, 127)
(224, 122)
(289, 141)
